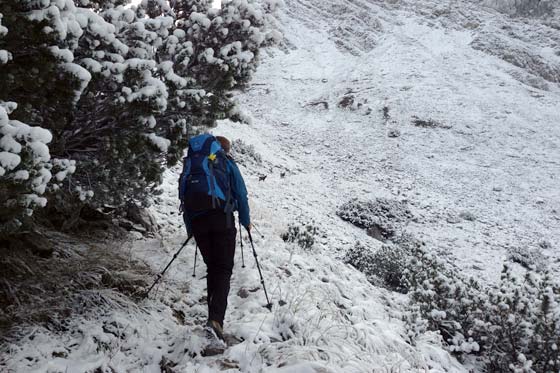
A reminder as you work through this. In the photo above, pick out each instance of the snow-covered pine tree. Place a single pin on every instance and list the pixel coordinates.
(113, 135)
(119, 88)
(523, 324)
(449, 303)
(507, 320)
(514, 326)
(545, 339)
(39, 87)
(199, 77)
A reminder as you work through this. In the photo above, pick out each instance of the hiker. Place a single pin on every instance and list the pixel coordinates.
(211, 188)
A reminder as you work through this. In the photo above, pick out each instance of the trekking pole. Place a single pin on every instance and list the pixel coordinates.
(268, 305)
(195, 255)
(241, 241)
(159, 276)
(262, 235)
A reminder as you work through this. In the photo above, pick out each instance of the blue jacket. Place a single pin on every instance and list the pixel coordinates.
(239, 195)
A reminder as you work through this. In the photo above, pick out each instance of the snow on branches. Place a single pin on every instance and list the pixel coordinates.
(25, 168)
(117, 88)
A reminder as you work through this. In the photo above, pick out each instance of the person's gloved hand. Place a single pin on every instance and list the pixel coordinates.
(248, 227)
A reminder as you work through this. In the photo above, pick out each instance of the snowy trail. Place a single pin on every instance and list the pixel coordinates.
(490, 158)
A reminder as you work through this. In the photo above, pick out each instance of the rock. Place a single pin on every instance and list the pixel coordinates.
(243, 293)
(167, 366)
(136, 235)
(394, 133)
(143, 217)
(60, 354)
(497, 189)
(212, 350)
(179, 315)
(428, 123)
(377, 232)
(130, 226)
(287, 271)
(453, 220)
(386, 115)
(466, 215)
(471, 25)
(346, 101)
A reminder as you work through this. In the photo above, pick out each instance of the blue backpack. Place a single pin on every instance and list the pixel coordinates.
(205, 183)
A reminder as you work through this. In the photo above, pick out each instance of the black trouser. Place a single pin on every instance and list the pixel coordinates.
(217, 245)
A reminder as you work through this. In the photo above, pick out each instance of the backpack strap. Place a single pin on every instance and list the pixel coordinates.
(229, 205)
(212, 185)
(214, 148)
(182, 178)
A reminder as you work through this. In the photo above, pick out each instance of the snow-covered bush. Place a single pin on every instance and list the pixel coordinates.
(361, 258)
(301, 234)
(245, 154)
(449, 303)
(385, 267)
(390, 265)
(528, 258)
(381, 218)
(514, 326)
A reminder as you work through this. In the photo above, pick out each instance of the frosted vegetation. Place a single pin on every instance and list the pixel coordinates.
(98, 97)
(401, 158)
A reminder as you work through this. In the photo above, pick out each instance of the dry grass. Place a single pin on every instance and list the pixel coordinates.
(46, 291)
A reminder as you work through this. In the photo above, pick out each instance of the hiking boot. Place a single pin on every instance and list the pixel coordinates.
(215, 344)
(216, 328)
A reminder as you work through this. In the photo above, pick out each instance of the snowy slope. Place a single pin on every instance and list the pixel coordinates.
(497, 157)
(493, 156)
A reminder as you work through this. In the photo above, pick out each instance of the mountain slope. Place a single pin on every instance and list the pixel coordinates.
(333, 118)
